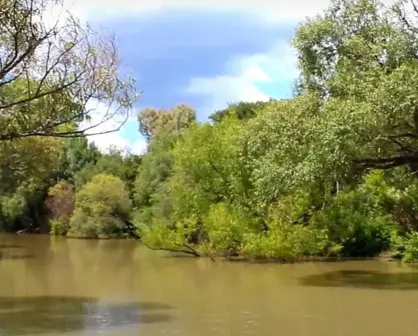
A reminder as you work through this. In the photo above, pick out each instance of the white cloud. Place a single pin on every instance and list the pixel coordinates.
(99, 113)
(273, 10)
(270, 11)
(245, 75)
(105, 141)
(112, 139)
(138, 147)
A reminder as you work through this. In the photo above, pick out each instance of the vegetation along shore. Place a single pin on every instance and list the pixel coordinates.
(329, 173)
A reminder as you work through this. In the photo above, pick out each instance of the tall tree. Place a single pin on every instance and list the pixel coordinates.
(75, 155)
(360, 59)
(152, 121)
(52, 75)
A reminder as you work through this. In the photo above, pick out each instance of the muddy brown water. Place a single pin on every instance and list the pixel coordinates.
(52, 286)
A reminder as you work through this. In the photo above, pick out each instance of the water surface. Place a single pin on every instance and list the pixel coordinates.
(72, 287)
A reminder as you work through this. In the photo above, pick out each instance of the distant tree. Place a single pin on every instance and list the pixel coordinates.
(116, 163)
(102, 208)
(59, 206)
(75, 154)
(152, 122)
(241, 110)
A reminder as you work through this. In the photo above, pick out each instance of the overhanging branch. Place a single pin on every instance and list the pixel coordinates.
(386, 163)
(187, 249)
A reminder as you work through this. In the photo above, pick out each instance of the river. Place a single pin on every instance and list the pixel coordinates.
(53, 286)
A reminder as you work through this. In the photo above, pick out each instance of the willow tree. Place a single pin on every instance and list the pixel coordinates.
(360, 61)
(52, 75)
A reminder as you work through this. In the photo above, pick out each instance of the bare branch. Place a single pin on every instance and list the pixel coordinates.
(402, 146)
(406, 135)
(386, 163)
(50, 74)
(188, 249)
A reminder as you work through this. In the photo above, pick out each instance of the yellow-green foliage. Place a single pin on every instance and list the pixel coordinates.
(101, 209)
(226, 228)
(286, 242)
(59, 226)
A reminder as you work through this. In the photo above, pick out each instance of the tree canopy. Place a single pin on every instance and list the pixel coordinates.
(53, 73)
(329, 173)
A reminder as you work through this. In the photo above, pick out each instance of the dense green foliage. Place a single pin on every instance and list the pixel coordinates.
(330, 172)
(51, 76)
(102, 208)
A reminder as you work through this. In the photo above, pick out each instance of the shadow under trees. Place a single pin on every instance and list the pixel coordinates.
(53, 314)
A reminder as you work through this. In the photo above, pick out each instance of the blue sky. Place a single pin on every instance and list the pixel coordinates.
(204, 56)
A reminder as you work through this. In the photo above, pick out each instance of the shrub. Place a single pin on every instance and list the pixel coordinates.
(102, 207)
(225, 228)
(406, 247)
(355, 223)
(60, 206)
(285, 242)
(60, 225)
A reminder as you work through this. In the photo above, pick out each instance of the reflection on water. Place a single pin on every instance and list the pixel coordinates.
(73, 287)
(363, 279)
(57, 315)
(8, 251)
(105, 316)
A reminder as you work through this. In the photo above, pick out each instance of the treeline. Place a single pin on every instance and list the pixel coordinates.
(53, 76)
(328, 173)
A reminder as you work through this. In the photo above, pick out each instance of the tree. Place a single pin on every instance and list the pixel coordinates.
(155, 169)
(25, 167)
(60, 206)
(102, 208)
(241, 110)
(75, 155)
(51, 75)
(207, 158)
(162, 129)
(359, 59)
(116, 163)
(152, 122)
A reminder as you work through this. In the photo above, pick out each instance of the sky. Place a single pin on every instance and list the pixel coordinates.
(202, 53)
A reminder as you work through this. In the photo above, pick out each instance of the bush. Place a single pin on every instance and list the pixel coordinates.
(12, 206)
(60, 225)
(355, 223)
(225, 228)
(285, 242)
(411, 247)
(406, 247)
(60, 205)
(102, 207)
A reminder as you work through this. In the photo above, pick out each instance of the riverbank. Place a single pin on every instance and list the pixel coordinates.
(195, 252)
(118, 287)
(384, 257)
(387, 256)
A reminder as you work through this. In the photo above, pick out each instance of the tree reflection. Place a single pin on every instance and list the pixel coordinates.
(364, 279)
(10, 252)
